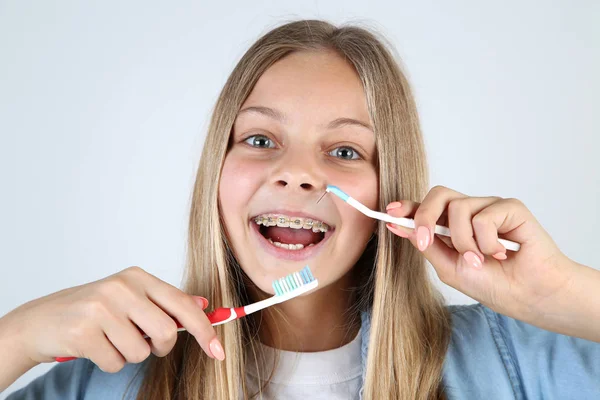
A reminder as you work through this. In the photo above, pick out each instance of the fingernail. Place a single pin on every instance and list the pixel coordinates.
(392, 205)
(422, 238)
(500, 256)
(217, 349)
(396, 230)
(473, 259)
(202, 302)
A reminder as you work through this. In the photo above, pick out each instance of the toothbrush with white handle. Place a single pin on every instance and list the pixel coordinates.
(286, 288)
(405, 222)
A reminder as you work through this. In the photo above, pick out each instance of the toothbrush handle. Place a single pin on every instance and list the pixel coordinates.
(509, 245)
(218, 316)
(410, 223)
(222, 315)
(445, 231)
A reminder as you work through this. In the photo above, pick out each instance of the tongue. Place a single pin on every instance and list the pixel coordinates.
(292, 236)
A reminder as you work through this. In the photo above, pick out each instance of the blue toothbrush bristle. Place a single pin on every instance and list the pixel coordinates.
(310, 275)
(337, 191)
(293, 281)
(276, 288)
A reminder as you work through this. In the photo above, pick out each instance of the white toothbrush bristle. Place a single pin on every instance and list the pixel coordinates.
(293, 281)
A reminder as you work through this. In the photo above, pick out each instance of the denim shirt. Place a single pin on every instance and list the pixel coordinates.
(489, 356)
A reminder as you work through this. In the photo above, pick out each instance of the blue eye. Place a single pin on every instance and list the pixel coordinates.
(345, 153)
(260, 141)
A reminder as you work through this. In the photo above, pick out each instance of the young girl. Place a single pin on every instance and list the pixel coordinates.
(308, 105)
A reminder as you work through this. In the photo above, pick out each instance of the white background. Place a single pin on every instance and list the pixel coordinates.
(103, 109)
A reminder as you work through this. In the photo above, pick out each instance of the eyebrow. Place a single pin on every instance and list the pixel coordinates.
(337, 123)
(280, 117)
(266, 111)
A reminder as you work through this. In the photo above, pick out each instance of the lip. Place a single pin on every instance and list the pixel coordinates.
(289, 213)
(291, 255)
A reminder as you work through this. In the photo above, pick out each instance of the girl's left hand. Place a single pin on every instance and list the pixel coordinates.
(518, 284)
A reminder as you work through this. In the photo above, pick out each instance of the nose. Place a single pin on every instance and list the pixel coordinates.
(298, 173)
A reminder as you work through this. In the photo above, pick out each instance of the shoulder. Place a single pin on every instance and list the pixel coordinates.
(524, 361)
(122, 385)
(475, 365)
(82, 379)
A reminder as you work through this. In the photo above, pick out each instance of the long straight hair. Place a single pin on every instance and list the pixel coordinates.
(410, 326)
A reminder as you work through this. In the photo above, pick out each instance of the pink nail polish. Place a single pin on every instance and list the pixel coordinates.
(473, 259)
(393, 205)
(423, 238)
(217, 349)
(500, 256)
(201, 301)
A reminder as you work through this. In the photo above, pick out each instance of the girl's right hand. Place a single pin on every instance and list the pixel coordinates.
(100, 321)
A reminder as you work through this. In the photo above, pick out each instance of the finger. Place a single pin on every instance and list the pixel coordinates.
(182, 307)
(486, 234)
(445, 261)
(405, 233)
(447, 241)
(156, 324)
(407, 209)
(398, 230)
(201, 301)
(460, 215)
(507, 217)
(404, 209)
(127, 339)
(448, 263)
(102, 353)
(430, 211)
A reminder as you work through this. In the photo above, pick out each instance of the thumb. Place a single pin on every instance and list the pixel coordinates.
(459, 272)
(443, 259)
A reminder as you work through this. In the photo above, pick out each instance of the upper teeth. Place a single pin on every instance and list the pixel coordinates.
(291, 222)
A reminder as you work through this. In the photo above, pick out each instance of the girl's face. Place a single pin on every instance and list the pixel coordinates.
(304, 125)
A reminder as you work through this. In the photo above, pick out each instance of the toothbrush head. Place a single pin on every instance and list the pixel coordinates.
(295, 284)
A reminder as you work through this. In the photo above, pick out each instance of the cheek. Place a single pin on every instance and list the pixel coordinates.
(239, 180)
(367, 191)
(364, 187)
(361, 185)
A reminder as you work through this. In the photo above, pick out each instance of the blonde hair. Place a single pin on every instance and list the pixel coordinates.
(410, 327)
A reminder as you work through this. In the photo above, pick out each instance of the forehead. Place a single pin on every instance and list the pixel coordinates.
(319, 85)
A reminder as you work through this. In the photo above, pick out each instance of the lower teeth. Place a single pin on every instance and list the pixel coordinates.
(289, 246)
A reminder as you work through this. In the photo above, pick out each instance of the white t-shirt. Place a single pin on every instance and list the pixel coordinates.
(332, 374)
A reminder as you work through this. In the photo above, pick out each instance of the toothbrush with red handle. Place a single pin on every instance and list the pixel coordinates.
(286, 288)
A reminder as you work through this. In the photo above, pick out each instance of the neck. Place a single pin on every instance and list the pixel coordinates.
(316, 322)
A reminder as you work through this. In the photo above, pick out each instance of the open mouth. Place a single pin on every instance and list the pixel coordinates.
(291, 236)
